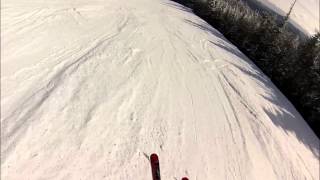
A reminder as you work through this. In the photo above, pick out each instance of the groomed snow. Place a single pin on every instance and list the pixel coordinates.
(90, 88)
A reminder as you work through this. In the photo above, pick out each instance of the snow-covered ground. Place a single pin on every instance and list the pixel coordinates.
(90, 88)
(305, 13)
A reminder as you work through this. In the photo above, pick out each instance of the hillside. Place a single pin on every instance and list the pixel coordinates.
(305, 13)
(88, 89)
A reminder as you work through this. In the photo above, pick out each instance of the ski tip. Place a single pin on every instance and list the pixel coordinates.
(184, 178)
(154, 157)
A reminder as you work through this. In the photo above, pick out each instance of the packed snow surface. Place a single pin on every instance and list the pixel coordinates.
(89, 89)
(305, 13)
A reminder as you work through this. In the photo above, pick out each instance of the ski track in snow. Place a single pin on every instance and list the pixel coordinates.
(89, 89)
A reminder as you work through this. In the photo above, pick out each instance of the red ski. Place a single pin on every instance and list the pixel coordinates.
(155, 167)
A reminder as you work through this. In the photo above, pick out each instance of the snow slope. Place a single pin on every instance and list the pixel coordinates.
(90, 88)
(305, 13)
